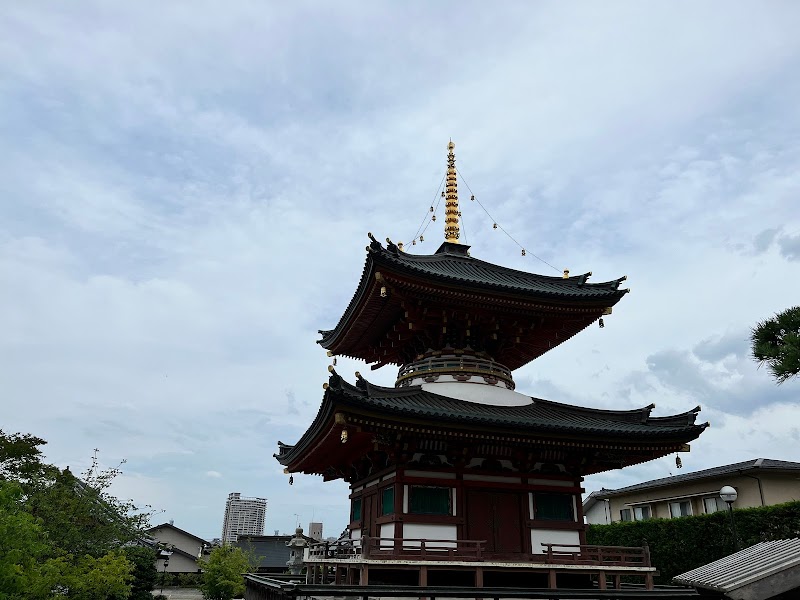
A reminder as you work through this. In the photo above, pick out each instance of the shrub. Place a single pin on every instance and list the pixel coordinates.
(679, 545)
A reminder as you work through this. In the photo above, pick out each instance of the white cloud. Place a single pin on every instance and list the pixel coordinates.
(213, 474)
(186, 199)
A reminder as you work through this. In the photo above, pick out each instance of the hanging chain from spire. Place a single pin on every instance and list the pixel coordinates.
(451, 229)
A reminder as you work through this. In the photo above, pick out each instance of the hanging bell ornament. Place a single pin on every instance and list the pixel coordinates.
(600, 322)
(291, 479)
(678, 462)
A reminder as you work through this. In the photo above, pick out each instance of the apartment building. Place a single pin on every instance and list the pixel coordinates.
(243, 516)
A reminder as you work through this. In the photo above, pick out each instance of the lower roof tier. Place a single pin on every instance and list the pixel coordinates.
(364, 427)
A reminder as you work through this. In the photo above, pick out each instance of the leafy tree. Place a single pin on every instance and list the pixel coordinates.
(21, 544)
(20, 457)
(776, 342)
(63, 535)
(222, 573)
(143, 561)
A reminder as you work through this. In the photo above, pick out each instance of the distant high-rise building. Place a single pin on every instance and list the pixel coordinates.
(243, 516)
(315, 530)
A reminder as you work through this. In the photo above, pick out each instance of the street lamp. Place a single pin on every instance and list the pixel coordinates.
(164, 555)
(729, 495)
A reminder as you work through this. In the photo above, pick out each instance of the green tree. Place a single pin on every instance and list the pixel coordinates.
(143, 561)
(776, 343)
(222, 573)
(20, 456)
(21, 544)
(63, 535)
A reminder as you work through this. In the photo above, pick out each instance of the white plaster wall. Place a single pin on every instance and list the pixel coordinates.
(387, 531)
(599, 513)
(552, 536)
(355, 535)
(480, 393)
(429, 531)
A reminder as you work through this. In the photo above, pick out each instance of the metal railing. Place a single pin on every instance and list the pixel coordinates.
(263, 588)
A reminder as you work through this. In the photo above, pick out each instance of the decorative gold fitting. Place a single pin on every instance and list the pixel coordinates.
(325, 386)
(566, 273)
(400, 246)
(607, 310)
(383, 291)
(358, 375)
(330, 368)
(330, 353)
(343, 437)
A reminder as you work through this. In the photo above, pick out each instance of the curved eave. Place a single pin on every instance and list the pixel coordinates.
(418, 408)
(573, 291)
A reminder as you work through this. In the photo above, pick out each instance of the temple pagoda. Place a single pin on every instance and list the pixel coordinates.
(455, 476)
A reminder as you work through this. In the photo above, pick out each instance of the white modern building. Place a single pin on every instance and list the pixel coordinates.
(243, 516)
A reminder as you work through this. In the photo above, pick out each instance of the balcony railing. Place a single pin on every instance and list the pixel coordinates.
(620, 556)
(475, 550)
(406, 548)
(465, 367)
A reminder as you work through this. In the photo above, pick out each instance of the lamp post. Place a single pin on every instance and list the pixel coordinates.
(164, 554)
(729, 495)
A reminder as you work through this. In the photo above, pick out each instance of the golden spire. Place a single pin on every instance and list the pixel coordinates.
(451, 229)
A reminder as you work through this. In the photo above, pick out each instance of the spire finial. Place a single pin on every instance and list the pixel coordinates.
(451, 228)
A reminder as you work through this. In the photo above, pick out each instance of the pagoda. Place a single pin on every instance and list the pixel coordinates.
(455, 476)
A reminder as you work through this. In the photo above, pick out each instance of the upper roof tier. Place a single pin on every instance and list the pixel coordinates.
(408, 305)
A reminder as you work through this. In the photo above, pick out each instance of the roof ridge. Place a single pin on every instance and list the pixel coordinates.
(578, 280)
(710, 472)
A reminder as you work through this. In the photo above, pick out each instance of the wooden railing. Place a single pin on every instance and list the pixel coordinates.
(620, 556)
(454, 365)
(424, 549)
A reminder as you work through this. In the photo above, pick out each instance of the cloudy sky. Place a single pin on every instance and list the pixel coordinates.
(186, 189)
